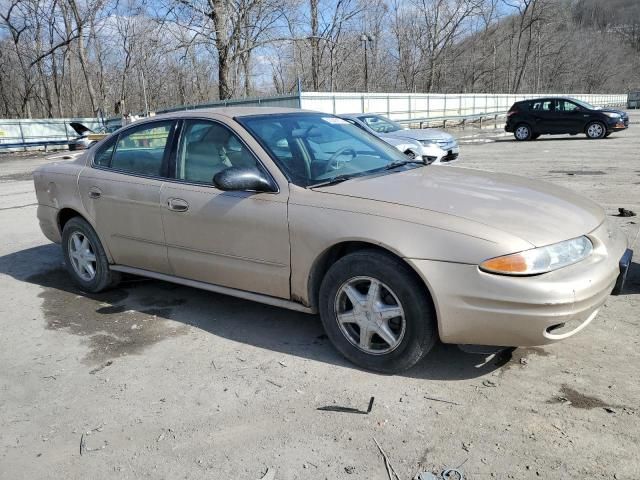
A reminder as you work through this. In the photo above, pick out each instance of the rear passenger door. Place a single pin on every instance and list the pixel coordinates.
(121, 193)
(543, 113)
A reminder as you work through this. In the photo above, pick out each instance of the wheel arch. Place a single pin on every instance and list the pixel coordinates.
(67, 213)
(332, 254)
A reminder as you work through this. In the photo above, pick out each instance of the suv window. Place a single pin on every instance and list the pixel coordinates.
(140, 150)
(543, 106)
(207, 148)
(566, 106)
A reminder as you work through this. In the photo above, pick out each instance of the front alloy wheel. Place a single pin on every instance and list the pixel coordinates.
(596, 130)
(376, 311)
(369, 315)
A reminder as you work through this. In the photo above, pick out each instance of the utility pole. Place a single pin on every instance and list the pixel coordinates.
(366, 39)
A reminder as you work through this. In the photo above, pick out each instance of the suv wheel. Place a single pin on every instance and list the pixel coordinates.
(596, 130)
(522, 132)
(376, 312)
(85, 258)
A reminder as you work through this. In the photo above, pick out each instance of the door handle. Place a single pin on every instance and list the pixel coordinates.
(94, 192)
(177, 205)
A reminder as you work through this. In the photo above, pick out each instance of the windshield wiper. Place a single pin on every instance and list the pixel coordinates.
(332, 181)
(402, 163)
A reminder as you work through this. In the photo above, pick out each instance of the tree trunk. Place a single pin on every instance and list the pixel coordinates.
(82, 54)
(315, 46)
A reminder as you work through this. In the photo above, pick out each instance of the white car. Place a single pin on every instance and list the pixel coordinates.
(431, 145)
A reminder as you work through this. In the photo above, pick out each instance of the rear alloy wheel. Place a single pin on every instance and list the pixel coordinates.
(522, 132)
(596, 130)
(85, 258)
(376, 312)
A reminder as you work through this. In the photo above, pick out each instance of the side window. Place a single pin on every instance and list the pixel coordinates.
(207, 148)
(141, 150)
(102, 158)
(565, 106)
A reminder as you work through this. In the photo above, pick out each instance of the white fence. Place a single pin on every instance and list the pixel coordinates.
(419, 106)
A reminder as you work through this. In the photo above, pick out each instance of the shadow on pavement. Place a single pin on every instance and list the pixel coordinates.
(141, 312)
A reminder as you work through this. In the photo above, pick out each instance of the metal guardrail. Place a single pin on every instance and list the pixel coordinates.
(29, 133)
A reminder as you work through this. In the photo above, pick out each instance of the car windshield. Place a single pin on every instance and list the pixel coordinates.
(313, 149)
(380, 124)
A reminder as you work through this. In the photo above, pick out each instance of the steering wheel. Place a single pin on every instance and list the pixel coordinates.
(334, 164)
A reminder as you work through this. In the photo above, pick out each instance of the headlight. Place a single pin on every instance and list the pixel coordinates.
(612, 114)
(429, 143)
(540, 260)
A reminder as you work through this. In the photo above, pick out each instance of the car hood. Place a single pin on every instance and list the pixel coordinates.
(400, 141)
(421, 134)
(622, 113)
(538, 212)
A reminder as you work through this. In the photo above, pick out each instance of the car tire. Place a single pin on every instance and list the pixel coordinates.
(409, 335)
(522, 132)
(595, 130)
(85, 258)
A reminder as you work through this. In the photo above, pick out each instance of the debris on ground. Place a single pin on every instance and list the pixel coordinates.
(623, 212)
(349, 469)
(434, 399)
(269, 475)
(489, 383)
(337, 408)
(391, 473)
(104, 365)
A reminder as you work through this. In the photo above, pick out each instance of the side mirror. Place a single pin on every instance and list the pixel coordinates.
(243, 179)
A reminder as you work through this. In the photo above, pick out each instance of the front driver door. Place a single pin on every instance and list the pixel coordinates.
(121, 193)
(234, 239)
(571, 117)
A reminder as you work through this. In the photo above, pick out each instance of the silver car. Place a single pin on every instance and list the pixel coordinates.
(431, 145)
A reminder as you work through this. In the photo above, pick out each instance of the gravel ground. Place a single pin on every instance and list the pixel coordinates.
(153, 380)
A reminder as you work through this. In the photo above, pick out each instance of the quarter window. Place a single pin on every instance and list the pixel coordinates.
(207, 148)
(102, 157)
(142, 150)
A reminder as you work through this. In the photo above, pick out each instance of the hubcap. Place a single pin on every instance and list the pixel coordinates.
(370, 315)
(82, 256)
(522, 132)
(595, 130)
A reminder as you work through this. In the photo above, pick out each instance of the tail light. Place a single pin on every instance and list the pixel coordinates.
(512, 111)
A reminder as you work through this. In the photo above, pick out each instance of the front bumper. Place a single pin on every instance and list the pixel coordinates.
(475, 307)
(615, 125)
(440, 156)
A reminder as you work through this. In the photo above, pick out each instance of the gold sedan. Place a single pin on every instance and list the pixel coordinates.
(303, 210)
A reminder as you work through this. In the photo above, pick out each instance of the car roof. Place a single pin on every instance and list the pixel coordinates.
(358, 115)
